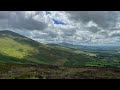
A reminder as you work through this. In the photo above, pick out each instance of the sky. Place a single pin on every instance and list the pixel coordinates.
(74, 27)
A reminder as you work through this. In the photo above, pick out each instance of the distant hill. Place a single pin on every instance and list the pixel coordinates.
(70, 45)
(92, 48)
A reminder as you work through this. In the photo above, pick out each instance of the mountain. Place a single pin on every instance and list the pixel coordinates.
(92, 48)
(24, 58)
(68, 45)
(15, 48)
(80, 48)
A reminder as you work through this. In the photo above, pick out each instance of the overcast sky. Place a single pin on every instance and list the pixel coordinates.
(75, 27)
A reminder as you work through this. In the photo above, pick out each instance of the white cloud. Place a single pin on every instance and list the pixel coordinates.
(80, 27)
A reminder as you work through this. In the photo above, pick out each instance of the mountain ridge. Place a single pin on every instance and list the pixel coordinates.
(28, 51)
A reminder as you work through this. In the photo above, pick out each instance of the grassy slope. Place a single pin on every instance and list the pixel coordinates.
(12, 48)
(15, 48)
(17, 51)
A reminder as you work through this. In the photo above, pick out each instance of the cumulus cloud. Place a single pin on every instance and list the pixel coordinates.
(4, 14)
(94, 29)
(20, 21)
(74, 27)
(115, 35)
(102, 18)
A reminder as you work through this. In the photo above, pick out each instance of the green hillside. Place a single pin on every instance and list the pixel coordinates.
(15, 48)
(24, 58)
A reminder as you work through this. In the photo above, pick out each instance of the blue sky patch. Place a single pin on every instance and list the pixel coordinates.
(58, 22)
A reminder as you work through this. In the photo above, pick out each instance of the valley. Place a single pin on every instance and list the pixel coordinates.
(24, 58)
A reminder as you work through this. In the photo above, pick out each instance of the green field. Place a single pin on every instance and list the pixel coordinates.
(13, 48)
